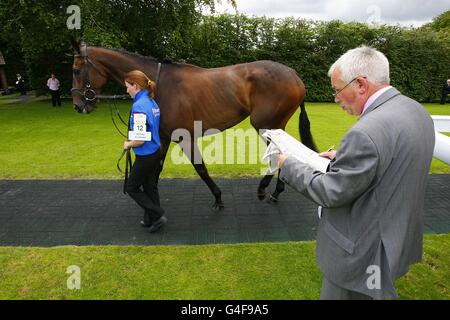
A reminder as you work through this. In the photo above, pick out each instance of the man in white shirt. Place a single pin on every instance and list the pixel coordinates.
(53, 85)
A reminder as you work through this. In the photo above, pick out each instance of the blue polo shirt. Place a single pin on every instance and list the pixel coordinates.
(144, 104)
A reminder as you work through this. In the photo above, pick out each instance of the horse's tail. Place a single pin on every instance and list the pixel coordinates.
(304, 128)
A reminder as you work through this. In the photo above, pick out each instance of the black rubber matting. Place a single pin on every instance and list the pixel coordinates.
(95, 212)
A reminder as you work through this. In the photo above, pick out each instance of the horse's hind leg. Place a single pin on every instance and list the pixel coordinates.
(263, 185)
(201, 170)
(273, 198)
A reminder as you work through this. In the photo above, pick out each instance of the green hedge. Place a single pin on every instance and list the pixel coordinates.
(419, 58)
(36, 41)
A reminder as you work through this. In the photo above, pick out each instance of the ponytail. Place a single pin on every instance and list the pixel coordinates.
(151, 87)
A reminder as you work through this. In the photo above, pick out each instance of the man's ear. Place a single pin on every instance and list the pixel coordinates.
(363, 85)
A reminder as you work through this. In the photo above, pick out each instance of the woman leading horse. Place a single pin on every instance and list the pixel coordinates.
(143, 137)
(266, 91)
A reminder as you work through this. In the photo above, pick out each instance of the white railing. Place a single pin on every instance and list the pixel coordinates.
(442, 145)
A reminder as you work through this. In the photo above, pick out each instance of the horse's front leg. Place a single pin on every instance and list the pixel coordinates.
(197, 161)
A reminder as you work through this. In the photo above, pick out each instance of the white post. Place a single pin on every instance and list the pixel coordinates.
(442, 145)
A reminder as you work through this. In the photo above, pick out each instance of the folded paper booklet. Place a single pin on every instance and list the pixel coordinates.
(282, 142)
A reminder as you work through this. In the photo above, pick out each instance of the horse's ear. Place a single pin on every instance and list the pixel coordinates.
(75, 45)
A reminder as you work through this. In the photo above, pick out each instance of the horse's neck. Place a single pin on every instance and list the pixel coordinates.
(117, 64)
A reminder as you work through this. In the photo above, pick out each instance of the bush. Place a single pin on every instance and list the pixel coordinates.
(419, 58)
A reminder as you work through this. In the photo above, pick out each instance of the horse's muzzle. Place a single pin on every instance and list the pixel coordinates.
(79, 108)
(83, 108)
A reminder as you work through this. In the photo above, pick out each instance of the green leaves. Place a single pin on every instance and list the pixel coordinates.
(35, 41)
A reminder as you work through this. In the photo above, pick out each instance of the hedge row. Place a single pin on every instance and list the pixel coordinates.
(35, 41)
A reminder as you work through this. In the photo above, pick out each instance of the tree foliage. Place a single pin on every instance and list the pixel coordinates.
(35, 40)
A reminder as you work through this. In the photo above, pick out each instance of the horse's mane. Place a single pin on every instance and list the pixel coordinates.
(140, 56)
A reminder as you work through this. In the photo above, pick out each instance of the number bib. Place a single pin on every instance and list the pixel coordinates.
(139, 128)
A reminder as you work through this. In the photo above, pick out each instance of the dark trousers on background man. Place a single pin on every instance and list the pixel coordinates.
(145, 174)
(21, 88)
(55, 98)
(444, 97)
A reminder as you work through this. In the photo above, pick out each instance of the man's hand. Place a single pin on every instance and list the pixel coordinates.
(281, 159)
(328, 154)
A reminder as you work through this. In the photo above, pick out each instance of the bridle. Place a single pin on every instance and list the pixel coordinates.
(86, 92)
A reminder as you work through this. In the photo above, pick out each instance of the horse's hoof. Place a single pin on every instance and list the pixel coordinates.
(261, 196)
(218, 206)
(272, 200)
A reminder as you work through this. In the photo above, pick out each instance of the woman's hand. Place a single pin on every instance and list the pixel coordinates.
(127, 145)
(132, 144)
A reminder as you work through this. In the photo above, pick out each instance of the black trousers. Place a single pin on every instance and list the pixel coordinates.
(22, 90)
(145, 174)
(444, 97)
(55, 97)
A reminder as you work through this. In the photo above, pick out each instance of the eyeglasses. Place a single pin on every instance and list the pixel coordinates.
(339, 91)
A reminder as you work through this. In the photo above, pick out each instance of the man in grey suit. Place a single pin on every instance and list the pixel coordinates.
(372, 195)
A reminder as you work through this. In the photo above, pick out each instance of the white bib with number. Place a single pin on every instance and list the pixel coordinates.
(139, 128)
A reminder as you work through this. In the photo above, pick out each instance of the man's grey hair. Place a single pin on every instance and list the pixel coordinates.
(363, 62)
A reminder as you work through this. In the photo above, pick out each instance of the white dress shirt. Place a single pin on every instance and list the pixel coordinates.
(374, 96)
(53, 84)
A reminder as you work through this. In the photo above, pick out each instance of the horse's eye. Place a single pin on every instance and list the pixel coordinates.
(76, 72)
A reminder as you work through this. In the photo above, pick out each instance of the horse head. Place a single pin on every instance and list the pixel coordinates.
(88, 79)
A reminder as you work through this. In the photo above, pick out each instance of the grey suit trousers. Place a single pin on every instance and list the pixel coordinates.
(331, 291)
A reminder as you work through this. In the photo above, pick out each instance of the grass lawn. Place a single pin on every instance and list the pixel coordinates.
(67, 145)
(9, 99)
(242, 271)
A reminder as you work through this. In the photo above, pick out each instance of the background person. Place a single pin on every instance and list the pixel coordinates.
(445, 91)
(53, 85)
(144, 118)
(371, 224)
(20, 83)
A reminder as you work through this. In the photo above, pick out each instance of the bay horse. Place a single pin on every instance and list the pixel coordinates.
(267, 91)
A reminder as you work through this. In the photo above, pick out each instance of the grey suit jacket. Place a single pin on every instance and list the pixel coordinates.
(372, 196)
